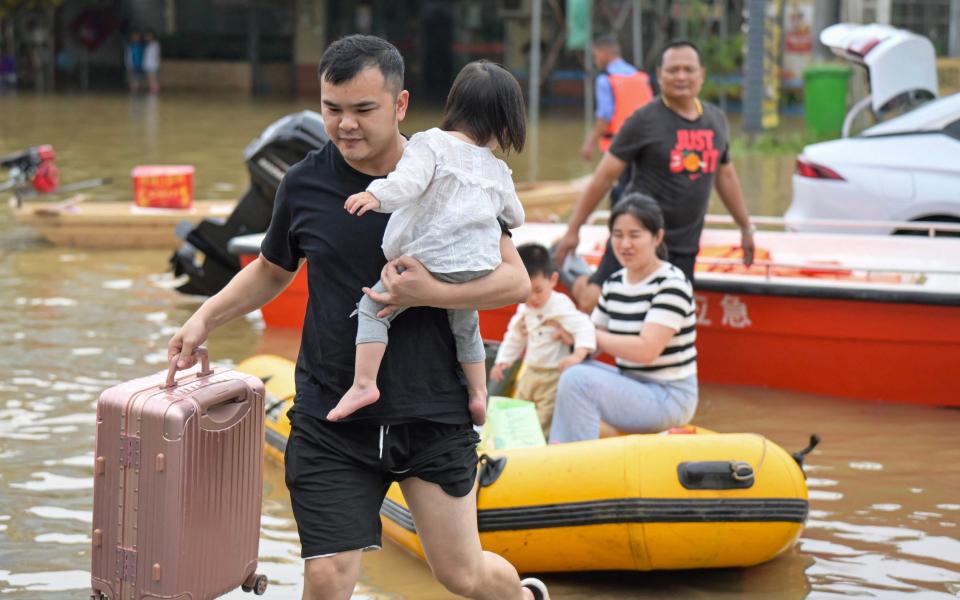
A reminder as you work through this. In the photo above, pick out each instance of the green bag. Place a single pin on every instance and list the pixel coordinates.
(511, 423)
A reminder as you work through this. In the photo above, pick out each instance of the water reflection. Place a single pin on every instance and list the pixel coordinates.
(46, 581)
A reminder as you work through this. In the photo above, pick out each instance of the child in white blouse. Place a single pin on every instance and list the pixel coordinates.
(543, 330)
(446, 195)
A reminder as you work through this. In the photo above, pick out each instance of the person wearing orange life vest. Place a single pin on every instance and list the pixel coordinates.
(620, 89)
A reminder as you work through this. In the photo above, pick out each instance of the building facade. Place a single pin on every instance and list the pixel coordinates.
(272, 46)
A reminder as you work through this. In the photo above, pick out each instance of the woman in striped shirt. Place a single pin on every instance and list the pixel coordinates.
(646, 320)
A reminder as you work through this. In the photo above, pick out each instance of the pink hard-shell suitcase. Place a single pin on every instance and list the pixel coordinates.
(178, 485)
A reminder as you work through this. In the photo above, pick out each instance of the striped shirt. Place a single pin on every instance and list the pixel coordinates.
(665, 297)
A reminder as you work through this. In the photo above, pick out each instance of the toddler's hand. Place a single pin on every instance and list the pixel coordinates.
(496, 373)
(408, 283)
(568, 362)
(562, 334)
(389, 307)
(361, 203)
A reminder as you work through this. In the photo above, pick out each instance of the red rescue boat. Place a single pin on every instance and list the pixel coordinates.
(856, 316)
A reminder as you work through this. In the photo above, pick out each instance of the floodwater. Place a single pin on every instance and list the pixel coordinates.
(884, 484)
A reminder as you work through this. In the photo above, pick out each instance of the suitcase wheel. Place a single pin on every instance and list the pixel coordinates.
(258, 587)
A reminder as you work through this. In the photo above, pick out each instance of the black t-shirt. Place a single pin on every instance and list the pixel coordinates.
(419, 378)
(675, 160)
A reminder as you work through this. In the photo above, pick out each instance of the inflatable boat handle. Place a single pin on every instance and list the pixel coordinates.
(715, 475)
(741, 471)
(799, 455)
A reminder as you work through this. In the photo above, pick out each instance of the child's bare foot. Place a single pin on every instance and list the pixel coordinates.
(359, 395)
(477, 405)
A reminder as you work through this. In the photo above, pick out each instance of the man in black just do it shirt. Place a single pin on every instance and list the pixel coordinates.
(679, 148)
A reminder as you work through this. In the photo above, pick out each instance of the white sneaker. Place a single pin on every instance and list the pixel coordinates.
(536, 586)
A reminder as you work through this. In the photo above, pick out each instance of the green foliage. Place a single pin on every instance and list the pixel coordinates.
(724, 62)
(721, 57)
(724, 57)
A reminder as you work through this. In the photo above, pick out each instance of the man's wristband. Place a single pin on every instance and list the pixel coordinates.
(750, 228)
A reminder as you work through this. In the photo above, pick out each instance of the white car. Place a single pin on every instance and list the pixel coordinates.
(903, 169)
(906, 169)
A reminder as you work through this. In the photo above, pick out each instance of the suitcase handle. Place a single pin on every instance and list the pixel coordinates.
(172, 369)
(222, 404)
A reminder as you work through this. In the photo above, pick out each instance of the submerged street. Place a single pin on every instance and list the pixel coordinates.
(884, 509)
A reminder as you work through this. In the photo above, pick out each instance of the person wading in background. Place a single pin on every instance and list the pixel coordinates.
(620, 89)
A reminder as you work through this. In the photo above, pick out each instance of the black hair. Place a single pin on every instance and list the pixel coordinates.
(486, 102)
(680, 44)
(536, 259)
(644, 209)
(608, 41)
(346, 57)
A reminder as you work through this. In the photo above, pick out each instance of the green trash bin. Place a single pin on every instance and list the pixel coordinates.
(825, 99)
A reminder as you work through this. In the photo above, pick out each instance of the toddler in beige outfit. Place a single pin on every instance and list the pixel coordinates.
(543, 330)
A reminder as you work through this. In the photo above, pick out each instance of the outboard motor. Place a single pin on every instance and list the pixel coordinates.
(34, 165)
(268, 158)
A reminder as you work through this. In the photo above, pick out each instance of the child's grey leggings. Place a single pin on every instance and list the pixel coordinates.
(465, 324)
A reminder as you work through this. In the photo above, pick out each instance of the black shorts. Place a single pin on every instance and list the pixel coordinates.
(338, 474)
(610, 265)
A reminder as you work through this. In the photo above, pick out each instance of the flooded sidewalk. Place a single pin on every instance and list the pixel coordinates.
(884, 483)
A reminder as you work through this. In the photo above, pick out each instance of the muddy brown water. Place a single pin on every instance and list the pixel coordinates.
(884, 484)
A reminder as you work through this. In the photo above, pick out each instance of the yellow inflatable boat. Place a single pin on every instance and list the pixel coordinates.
(686, 500)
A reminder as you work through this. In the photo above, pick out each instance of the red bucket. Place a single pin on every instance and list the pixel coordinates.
(157, 186)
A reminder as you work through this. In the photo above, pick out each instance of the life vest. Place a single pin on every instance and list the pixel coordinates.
(630, 92)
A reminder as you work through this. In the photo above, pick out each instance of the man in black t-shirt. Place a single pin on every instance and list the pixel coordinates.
(680, 149)
(419, 433)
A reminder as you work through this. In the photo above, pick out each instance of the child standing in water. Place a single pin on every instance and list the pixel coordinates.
(446, 195)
